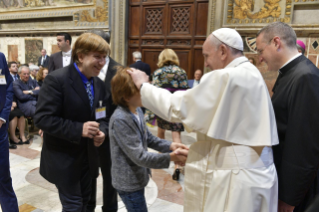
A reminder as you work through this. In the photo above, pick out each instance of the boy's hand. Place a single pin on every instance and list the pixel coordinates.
(178, 158)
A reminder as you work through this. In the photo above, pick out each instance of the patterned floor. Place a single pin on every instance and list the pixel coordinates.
(35, 194)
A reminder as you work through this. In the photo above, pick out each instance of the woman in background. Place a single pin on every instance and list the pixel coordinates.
(42, 73)
(173, 78)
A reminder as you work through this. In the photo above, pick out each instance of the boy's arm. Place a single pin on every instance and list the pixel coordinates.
(128, 139)
(156, 143)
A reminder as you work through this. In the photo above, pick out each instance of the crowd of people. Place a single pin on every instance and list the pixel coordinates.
(253, 153)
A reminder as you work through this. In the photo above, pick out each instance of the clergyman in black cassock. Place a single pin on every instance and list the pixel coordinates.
(296, 102)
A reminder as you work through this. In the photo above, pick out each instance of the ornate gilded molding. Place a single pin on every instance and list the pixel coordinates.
(211, 16)
(101, 14)
(240, 12)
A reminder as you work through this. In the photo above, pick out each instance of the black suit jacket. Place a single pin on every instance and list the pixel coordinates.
(56, 62)
(45, 62)
(111, 71)
(142, 66)
(62, 109)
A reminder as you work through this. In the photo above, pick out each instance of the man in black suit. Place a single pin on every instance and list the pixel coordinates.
(137, 57)
(72, 126)
(295, 101)
(63, 58)
(43, 61)
(109, 193)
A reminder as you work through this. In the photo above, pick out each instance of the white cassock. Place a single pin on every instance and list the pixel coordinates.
(230, 167)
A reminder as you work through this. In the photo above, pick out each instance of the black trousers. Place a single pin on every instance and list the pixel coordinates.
(109, 193)
(75, 195)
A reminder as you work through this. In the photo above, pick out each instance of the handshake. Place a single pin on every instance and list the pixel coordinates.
(91, 130)
(179, 154)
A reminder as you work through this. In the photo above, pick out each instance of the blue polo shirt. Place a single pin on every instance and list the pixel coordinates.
(85, 80)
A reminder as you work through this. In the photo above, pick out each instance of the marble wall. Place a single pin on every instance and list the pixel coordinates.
(28, 49)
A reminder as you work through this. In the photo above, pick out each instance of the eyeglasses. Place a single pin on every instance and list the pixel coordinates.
(260, 51)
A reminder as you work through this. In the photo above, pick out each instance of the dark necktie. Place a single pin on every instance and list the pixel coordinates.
(15, 77)
(89, 92)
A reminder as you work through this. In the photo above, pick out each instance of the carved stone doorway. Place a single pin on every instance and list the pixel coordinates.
(177, 24)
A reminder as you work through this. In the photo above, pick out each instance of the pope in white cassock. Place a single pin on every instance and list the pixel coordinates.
(230, 167)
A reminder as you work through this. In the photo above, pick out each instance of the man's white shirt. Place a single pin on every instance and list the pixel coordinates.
(103, 71)
(66, 58)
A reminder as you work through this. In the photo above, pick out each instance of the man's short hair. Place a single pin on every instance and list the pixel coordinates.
(21, 67)
(67, 36)
(300, 48)
(122, 86)
(282, 30)
(89, 42)
(10, 63)
(167, 57)
(44, 50)
(137, 55)
(104, 35)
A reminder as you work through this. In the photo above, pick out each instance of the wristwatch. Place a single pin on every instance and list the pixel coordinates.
(30, 92)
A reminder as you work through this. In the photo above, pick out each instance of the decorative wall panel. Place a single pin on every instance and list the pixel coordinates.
(13, 53)
(49, 16)
(33, 47)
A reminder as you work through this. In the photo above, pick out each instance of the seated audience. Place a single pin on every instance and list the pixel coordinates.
(13, 69)
(26, 91)
(33, 71)
(16, 118)
(129, 140)
(42, 73)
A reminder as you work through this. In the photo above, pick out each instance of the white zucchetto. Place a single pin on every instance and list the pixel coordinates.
(230, 37)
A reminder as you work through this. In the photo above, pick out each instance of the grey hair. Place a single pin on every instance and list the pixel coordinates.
(216, 43)
(300, 48)
(33, 67)
(44, 50)
(21, 67)
(106, 36)
(282, 30)
(137, 55)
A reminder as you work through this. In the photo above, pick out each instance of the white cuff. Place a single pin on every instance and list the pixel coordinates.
(3, 120)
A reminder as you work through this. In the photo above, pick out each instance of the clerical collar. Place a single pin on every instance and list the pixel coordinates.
(291, 59)
(289, 64)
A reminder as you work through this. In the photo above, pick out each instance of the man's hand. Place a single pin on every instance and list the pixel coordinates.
(139, 77)
(37, 88)
(284, 207)
(178, 159)
(26, 92)
(90, 129)
(99, 139)
(174, 146)
(1, 122)
(41, 133)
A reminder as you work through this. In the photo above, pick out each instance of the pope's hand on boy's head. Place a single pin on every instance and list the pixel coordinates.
(139, 77)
